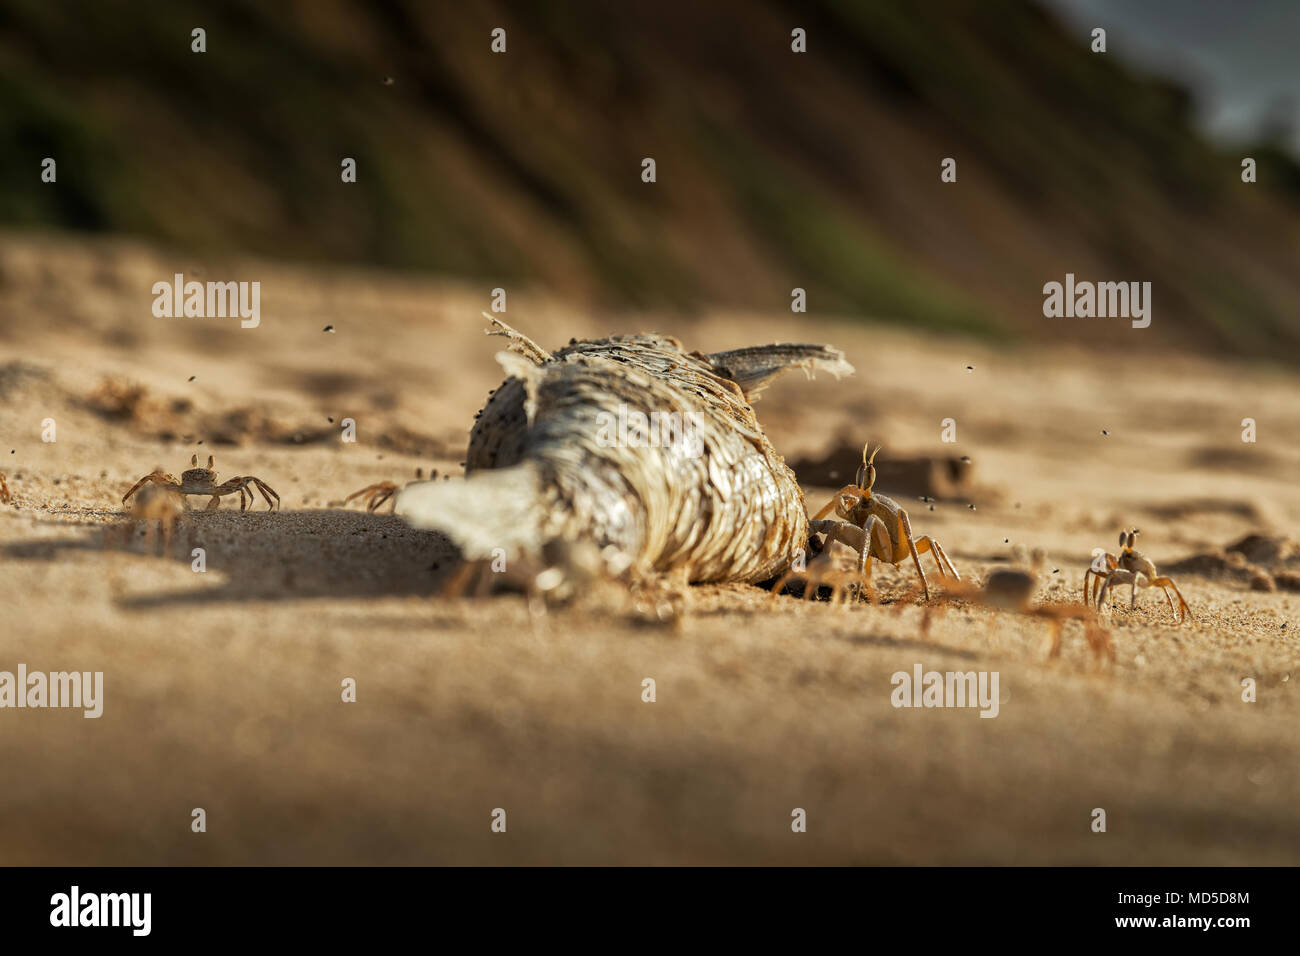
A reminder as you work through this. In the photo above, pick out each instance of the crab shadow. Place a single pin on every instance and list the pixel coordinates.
(269, 556)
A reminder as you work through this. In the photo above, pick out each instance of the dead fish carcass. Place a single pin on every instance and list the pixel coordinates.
(647, 456)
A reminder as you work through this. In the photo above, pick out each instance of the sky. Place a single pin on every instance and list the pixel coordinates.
(1240, 57)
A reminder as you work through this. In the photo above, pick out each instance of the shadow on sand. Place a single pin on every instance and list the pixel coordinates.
(278, 555)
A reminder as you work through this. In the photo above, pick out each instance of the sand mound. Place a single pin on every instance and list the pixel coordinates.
(942, 477)
(1262, 561)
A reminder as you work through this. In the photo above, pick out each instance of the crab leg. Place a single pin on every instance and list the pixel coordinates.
(830, 505)
(265, 489)
(911, 546)
(157, 477)
(1165, 582)
(377, 494)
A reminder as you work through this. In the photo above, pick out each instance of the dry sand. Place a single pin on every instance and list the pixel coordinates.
(222, 689)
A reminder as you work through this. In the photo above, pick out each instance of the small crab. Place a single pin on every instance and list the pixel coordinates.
(163, 503)
(1138, 571)
(1013, 589)
(821, 570)
(1103, 562)
(877, 527)
(376, 495)
(203, 481)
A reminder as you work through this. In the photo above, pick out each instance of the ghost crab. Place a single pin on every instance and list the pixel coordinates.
(163, 503)
(1013, 588)
(372, 496)
(1136, 570)
(823, 570)
(877, 526)
(203, 481)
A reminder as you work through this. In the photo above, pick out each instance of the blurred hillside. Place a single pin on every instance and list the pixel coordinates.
(775, 170)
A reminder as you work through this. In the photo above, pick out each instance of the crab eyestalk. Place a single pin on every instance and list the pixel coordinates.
(867, 473)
